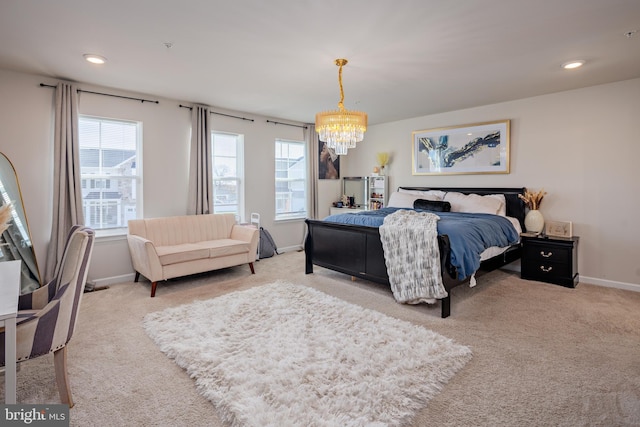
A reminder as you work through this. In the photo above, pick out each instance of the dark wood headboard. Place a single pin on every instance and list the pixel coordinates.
(515, 205)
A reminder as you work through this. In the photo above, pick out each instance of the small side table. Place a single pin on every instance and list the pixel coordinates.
(550, 259)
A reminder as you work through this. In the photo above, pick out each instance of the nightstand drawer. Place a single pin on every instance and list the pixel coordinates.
(546, 270)
(547, 253)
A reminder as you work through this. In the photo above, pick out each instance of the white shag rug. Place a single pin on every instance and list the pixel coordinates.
(288, 355)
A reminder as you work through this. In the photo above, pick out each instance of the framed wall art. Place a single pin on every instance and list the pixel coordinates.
(467, 149)
(558, 228)
(328, 162)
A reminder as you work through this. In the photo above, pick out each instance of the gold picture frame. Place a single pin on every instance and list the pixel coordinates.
(478, 148)
(558, 228)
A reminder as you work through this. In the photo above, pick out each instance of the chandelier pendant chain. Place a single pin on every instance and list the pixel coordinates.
(341, 63)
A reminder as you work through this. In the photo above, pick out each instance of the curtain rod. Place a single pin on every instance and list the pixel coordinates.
(286, 124)
(107, 94)
(221, 114)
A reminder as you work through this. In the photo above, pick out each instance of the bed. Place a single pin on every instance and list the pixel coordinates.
(357, 250)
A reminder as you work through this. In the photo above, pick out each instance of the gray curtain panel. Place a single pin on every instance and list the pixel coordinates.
(311, 138)
(67, 194)
(200, 168)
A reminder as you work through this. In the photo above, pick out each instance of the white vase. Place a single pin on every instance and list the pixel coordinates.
(534, 221)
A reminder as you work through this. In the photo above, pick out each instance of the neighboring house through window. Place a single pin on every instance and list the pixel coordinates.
(291, 180)
(228, 173)
(110, 153)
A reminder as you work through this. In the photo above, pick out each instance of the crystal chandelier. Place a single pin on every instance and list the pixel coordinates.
(341, 128)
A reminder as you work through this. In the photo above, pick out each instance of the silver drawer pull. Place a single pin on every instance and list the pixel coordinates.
(546, 269)
(547, 255)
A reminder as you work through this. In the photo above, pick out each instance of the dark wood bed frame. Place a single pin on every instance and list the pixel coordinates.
(357, 250)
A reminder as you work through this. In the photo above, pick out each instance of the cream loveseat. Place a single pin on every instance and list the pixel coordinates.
(164, 248)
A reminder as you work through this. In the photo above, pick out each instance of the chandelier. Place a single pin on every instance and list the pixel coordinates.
(341, 128)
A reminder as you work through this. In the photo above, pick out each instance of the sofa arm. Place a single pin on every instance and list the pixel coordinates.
(243, 232)
(247, 234)
(144, 257)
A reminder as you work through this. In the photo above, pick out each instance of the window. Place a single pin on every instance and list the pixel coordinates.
(228, 173)
(291, 180)
(110, 171)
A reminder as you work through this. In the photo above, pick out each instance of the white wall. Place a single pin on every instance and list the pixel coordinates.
(581, 146)
(26, 138)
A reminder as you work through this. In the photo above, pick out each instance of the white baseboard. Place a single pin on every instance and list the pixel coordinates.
(514, 266)
(293, 248)
(105, 281)
(610, 284)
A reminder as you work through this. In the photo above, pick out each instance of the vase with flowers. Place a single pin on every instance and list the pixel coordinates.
(383, 160)
(533, 220)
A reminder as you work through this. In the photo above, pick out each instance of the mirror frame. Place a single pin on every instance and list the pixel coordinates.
(16, 239)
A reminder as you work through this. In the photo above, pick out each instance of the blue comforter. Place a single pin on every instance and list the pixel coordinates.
(469, 233)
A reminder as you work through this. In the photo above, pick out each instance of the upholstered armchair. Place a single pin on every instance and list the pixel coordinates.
(48, 315)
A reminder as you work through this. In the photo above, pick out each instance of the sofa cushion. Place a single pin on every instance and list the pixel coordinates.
(176, 230)
(224, 247)
(181, 253)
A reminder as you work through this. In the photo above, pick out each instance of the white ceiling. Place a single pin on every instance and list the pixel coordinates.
(407, 58)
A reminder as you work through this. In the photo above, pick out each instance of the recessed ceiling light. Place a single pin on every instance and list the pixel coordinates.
(95, 59)
(573, 64)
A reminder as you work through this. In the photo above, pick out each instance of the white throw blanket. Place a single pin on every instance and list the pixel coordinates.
(410, 244)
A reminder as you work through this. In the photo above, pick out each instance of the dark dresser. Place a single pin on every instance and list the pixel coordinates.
(550, 259)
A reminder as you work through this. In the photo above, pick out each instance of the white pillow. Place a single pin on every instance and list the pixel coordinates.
(473, 203)
(405, 200)
(431, 193)
(503, 203)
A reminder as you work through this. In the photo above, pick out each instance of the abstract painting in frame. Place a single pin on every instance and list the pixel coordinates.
(467, 149)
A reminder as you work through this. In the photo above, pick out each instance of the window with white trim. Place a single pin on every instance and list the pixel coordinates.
(110, 170)
(291, 179)
(228, 173)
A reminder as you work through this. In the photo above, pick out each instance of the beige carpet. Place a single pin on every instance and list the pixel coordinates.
(543, 355)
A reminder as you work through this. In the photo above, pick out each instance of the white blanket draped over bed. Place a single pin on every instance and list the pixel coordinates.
(410, 244)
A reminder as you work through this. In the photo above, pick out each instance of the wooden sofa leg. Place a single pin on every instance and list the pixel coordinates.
(153, 289)
(137, 277)
(251, 267)
(62, 379)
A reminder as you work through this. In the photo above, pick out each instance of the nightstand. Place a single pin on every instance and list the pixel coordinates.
(550, 259)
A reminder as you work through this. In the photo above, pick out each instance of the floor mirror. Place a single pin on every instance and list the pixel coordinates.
(15, 241)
